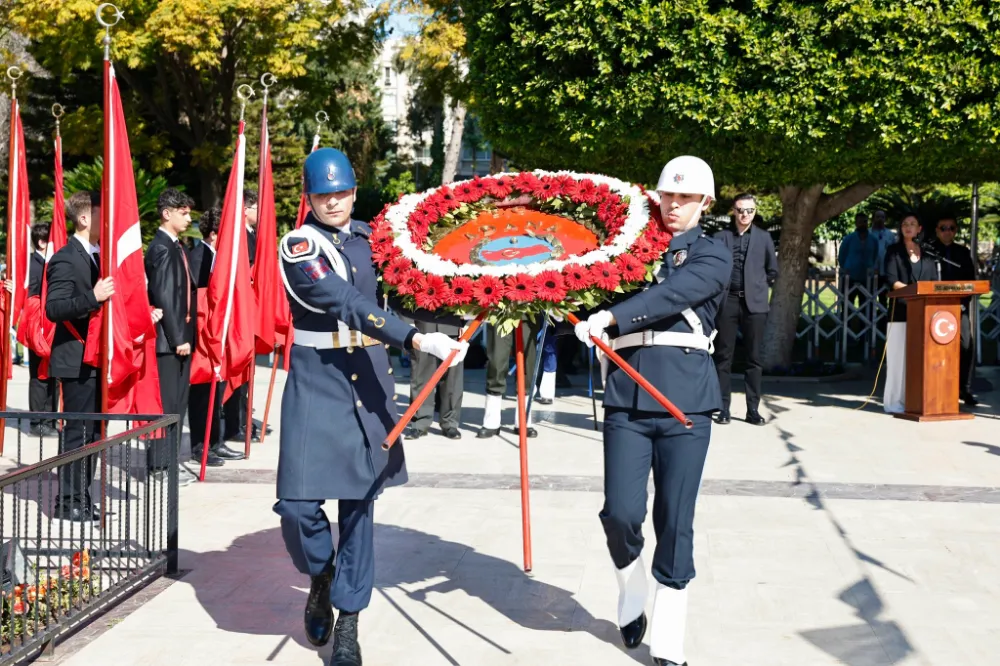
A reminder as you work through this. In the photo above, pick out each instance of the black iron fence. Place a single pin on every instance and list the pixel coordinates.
(82, 529)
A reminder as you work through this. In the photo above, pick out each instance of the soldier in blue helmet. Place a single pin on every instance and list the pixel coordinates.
(666, 333)
(338, 404)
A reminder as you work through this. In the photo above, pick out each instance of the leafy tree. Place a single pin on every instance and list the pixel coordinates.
(183, 59)
(821, 101)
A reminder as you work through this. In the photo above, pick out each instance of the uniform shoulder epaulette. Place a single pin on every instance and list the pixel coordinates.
(362, 228)
(296, 247)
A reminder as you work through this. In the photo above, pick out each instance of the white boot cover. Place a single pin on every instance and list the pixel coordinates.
(666, 639)
(547, 389)
(491, 417)
(632, 591)
(517, 417)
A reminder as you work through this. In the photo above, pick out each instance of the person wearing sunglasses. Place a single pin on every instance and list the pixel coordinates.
(946, 246)
(745, 307)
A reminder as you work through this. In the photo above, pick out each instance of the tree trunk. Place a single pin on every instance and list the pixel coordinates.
(211, 193)
(454, 151)
(803, 208)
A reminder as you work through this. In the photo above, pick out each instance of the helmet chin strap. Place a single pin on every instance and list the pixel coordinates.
(695, 217)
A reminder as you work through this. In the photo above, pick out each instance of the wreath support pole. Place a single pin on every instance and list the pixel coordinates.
(522, 418)
(429, 387)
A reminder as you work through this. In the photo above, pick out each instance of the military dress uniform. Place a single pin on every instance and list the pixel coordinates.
(665, 332)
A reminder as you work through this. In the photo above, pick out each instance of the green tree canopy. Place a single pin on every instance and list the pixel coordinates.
(822, 101)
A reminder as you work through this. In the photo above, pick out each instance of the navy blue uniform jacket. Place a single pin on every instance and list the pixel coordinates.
(695, 271)
(338, 404)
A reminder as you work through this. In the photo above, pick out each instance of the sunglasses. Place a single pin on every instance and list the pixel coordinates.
(746, 211)
(947, 228)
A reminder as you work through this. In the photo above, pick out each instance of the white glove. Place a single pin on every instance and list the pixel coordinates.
(440, 345)
(594, 326)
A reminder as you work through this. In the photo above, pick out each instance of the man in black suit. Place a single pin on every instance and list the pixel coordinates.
(202, 262)
(236, 406)
(965, 270)
(43, 394)
(76, 292)
(173, 289)
(745, 307)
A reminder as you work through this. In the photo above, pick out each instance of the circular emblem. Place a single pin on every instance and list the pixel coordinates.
(944, 327)
(680, 257)
(514, 250)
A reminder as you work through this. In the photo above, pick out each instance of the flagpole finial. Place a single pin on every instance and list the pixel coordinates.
(58, 112)
(322, 118)
(267, 80)
(244, 96)
(14, 73)
(117, 16)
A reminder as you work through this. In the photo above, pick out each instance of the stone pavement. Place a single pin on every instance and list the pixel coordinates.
(829, 536)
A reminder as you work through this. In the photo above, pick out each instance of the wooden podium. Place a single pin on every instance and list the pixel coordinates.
(933, 342)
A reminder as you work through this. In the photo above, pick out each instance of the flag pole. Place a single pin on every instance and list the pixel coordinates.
(57, 112)
(278, 352)
(13, 73)
(207, 442)
(107, 192)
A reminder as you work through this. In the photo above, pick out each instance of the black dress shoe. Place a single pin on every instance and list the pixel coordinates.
(414, 433)
(754, 418)
(452, 433)
(543, 401)
(657, 661)
(76, 512)
(346, 650)
(319, 612)
(213, 460)
(486, 433)
(723, 418)
(531, 431)
(633, 632)
(226, 453)
(969, 399)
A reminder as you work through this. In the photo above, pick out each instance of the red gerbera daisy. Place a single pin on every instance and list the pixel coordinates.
(461, 291)
(605, 275)
(409, 282)
(547, 188)
(586, 192)
(631, 269)
(480, 187)
(567, 186)
(520, 288)
(396, 269)
(526, 182)
(500, 187)
(466, 192)
(488, 291)
(432, 292)
(551, 286)
(576, 277)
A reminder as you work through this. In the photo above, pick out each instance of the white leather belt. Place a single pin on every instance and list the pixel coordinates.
(664, 339)
(333, 339)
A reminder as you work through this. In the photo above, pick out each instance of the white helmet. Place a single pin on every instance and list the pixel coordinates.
(687, 175)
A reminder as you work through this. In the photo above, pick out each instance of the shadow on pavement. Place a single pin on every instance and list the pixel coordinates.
(252, 588)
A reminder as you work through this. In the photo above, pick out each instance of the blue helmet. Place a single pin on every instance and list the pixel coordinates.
(327, 170)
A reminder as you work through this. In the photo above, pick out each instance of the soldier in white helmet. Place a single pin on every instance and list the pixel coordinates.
(666, 332)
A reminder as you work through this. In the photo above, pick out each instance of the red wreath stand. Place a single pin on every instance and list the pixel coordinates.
(404, 420)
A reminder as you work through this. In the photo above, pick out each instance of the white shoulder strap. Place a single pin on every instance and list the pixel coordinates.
(331, 252)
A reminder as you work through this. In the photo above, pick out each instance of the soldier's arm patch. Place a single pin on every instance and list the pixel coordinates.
(295, 249)
(315, 269)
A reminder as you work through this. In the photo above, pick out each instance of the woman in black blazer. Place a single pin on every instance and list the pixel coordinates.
(905, 264)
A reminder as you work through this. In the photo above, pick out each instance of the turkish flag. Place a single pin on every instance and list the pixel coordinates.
(18, 219)
(229, 329)
(133, 385)
(271, 314)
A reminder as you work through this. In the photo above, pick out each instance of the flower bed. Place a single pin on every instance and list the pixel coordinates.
(518, 245)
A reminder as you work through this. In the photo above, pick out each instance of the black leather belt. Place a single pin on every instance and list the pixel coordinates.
(741, 294)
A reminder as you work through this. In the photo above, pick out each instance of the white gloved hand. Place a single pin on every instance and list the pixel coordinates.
(440, 345)
(594, 326)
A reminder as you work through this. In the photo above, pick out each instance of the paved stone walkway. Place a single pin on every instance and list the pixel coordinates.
(829, 536)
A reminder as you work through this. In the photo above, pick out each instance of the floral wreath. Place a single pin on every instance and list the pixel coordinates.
(563, 241)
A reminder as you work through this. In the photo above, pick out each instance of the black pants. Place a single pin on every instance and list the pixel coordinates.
(43, 394)
(175, 384)
(79, 396)
(498, 351)
(634, 443)
(734, 316)
(967, 353)
(198, 414)
(235, 411)
(448, 394)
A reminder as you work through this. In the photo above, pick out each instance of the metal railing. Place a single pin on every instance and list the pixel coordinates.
(84, 528)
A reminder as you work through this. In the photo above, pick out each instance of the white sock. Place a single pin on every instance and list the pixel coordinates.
(517, 418)
(666, 639)
(631, 591)
(491, 417)
(547, 389)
